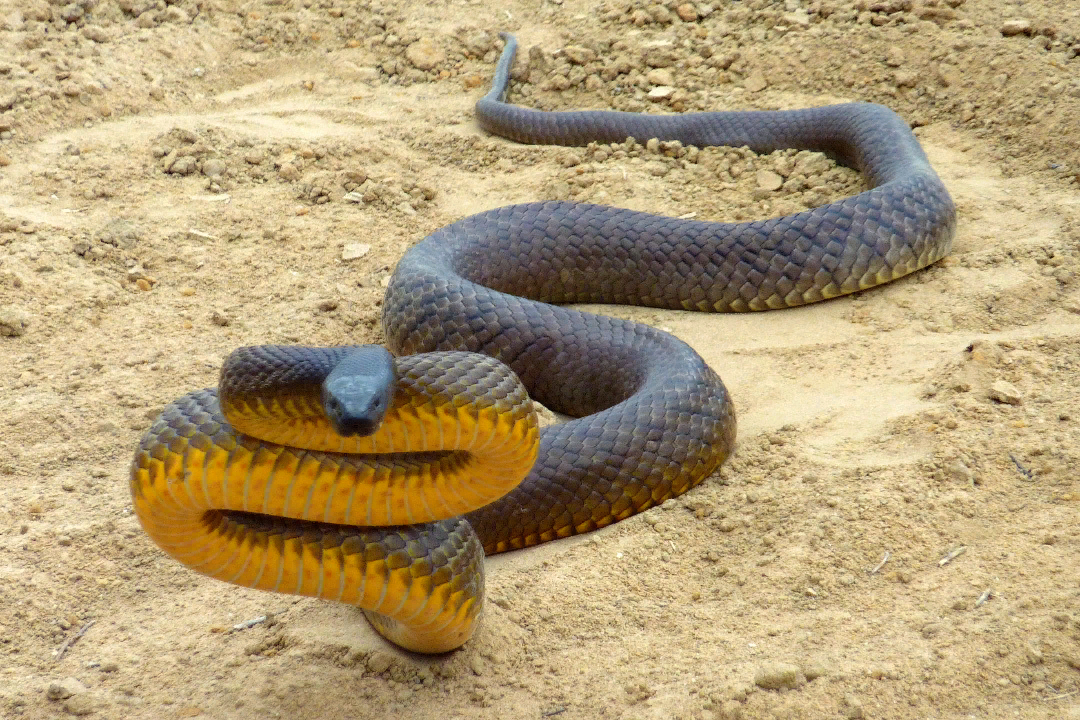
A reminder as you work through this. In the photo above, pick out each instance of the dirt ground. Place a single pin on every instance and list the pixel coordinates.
(178, 179)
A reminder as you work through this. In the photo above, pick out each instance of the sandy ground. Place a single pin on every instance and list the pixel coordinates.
(173, 182)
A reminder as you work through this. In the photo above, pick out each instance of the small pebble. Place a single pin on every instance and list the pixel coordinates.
(769, 181)
(687, 12)
(660, 76)
(379, 662)
(13, 321)
(424, 54)
(1005, 392)
(756, 82)
(960, 472)
(95, 33)
(288, 172)
(579, 55)
(352, 251)
(214, 168)
(79, 705)
(183, 166)
(1016, 26)
(661, 92)
(906, 78)
(63, 689)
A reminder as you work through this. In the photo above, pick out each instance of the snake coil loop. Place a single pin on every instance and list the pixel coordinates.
(651, 418)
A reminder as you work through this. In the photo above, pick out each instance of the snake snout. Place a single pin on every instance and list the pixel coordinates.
(358, 391)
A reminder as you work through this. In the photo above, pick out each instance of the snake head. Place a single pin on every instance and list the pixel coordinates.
(359, 390)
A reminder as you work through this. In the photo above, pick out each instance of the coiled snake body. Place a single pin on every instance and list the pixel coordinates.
(652, 419)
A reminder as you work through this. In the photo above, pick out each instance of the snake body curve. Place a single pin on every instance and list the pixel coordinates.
(651, 418)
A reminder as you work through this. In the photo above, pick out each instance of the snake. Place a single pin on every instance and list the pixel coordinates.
(382, 477)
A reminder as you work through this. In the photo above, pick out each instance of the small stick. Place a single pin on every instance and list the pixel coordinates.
(1020, 466)
(72, 640)
(260, 619)
(250, 623)
(880, 564)
(953, 554)
(986, 595)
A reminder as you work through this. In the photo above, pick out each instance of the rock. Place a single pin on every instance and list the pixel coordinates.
(1005, 392)
(214, 168)
(661, 93)
(95, 33)
(288, 172)
(894, 56)
(1016, 26)
(71, 13)
(579, 55)
(779, 675)
(63, 689)
(183, 166)
(353, 251)
(79, 705)
(768, 180)
(13, 321)
(906, 78)
(798, 19)
(756, 82)
(960, 472)
(379, 662)
(478, 43)
(424, 54)
(661, 57)
(660, 76)
(687, 12)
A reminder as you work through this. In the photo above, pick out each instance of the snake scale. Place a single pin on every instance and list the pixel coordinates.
(246, 483)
